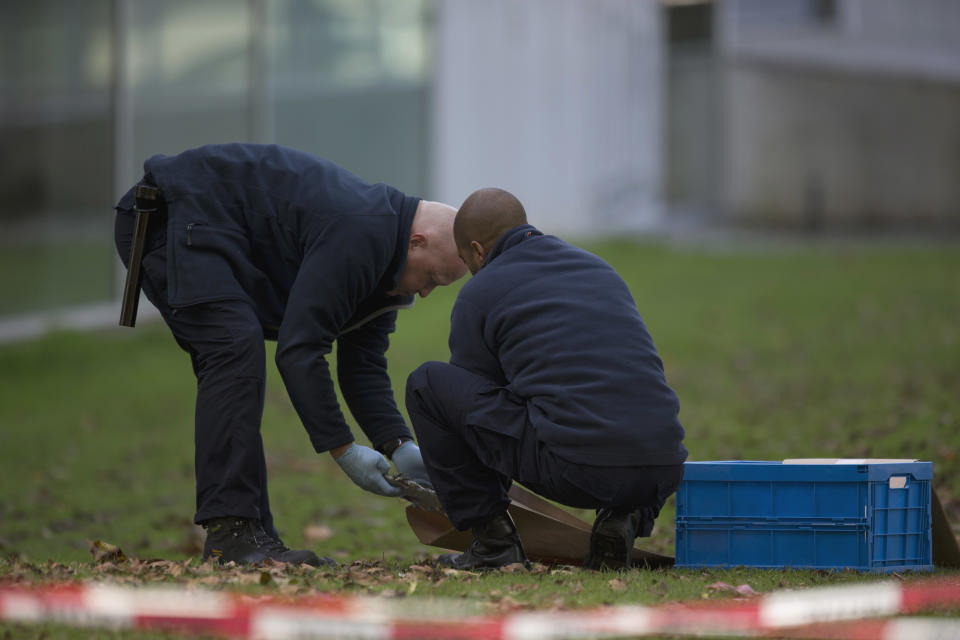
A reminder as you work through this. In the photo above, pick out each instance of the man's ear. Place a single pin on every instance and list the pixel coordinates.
(418, 240)
(478, 249)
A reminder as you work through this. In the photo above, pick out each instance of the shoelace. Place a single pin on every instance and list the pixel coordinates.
(263, 539)
(274, 544)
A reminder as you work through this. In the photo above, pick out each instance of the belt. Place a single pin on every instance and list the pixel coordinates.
(147, 200)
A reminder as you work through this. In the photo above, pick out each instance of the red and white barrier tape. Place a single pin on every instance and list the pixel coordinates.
(890, 629)
(797, 614)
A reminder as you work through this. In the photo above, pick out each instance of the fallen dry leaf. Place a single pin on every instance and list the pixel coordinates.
(104, 552)
(743, 589)
(617, 584)
(317, 533)
(513, 567)
(421, 568)
(373, 570)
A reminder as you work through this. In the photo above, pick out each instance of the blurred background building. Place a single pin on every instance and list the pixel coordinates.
(603, 116)
(816, 114)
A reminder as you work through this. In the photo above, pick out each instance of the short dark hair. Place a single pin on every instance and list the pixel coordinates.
(486, 215)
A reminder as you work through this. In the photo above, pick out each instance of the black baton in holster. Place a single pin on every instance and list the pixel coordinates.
(146, 201)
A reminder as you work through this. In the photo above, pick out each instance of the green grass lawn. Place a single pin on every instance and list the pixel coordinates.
(53, 274)
(801, 352)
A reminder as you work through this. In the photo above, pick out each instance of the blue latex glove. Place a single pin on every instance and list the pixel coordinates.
(410, 463)
(366, 468)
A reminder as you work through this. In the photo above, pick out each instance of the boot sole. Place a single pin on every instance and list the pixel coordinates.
(451, 560)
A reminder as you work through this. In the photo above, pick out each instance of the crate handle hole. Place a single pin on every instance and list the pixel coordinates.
(898, 482)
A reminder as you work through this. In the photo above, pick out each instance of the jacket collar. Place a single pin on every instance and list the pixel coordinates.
(406, 212)
(510, 239)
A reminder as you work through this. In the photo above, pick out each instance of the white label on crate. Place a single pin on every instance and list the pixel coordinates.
(898, 482)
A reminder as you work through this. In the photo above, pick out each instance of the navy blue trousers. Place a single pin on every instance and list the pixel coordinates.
(472, 465)
(226, 346)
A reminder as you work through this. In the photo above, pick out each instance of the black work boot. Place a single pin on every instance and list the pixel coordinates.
(495, 544)
(243, 540)
(611, 539)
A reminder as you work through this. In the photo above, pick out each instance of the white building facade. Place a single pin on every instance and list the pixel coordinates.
(557, 101)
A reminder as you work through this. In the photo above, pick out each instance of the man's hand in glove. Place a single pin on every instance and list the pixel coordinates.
(367, 467)
(410, 464)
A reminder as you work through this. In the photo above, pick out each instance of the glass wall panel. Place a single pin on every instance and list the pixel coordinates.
(345, 79)
(56, 154)
(188, 70)
(350, 81)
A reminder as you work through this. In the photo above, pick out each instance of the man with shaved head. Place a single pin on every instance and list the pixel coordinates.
(483, 218)
(250, 242)
(553, 382)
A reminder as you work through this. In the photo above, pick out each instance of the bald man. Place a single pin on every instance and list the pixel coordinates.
(553, 382)
(253, 242)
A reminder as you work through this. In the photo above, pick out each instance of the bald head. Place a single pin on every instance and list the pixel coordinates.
(483, 217)
(432, 257)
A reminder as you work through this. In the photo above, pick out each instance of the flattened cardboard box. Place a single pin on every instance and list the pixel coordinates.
(549, 534)
(552, 535)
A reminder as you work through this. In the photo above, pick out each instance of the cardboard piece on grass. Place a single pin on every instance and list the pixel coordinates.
(945, 549)
(549, 534)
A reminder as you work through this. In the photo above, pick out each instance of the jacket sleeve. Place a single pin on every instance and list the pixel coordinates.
(469, 348)
(328, 286)
(364, 383)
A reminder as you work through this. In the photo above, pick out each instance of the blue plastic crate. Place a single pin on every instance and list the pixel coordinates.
(870, 517)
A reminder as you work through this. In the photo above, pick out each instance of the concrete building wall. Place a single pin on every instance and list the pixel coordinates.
(848, 117)
(811, 148)
(916, 38)
(557, 101)
(692, 134)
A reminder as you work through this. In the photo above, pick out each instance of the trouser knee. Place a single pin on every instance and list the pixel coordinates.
(239, 351)
(418, 384)
(420, 377)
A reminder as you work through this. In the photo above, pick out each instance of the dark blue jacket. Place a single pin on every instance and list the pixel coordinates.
(314, 249)
(558, 328)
